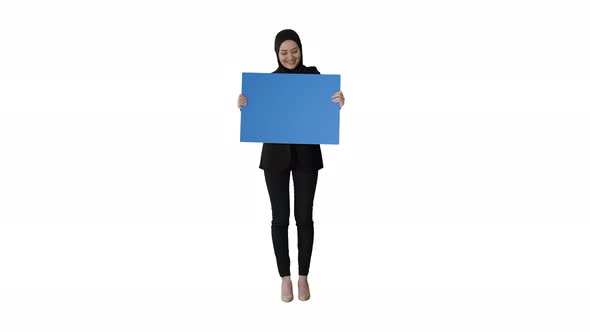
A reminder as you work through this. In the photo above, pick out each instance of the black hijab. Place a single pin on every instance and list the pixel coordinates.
(289, 34)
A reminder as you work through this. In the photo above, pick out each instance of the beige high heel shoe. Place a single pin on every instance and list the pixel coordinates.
(287, 291)
(303, 290)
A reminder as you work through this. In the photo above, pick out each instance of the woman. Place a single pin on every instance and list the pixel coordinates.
(304, 160)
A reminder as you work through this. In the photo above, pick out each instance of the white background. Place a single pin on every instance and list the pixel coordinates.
(458, 199)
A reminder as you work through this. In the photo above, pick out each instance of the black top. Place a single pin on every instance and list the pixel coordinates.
(291, 156)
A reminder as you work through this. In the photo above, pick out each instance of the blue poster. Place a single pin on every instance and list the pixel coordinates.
(290, 108)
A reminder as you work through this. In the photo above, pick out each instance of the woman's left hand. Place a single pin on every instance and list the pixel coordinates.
(338, 97)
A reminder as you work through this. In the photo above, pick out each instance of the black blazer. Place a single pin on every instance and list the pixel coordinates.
(277, 156)
(289, 156)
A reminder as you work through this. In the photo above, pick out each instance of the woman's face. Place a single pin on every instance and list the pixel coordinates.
(289, 54)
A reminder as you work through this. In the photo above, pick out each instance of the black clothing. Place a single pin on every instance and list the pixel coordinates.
(276, 156)
(279, 157)
(278, 189)
(304, 160)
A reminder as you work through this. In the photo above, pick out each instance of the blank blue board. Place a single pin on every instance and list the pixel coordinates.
(290, 108)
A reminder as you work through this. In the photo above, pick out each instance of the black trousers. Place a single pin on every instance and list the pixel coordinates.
(277, 183)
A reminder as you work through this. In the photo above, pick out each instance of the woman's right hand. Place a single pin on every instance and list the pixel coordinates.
(242, 101)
